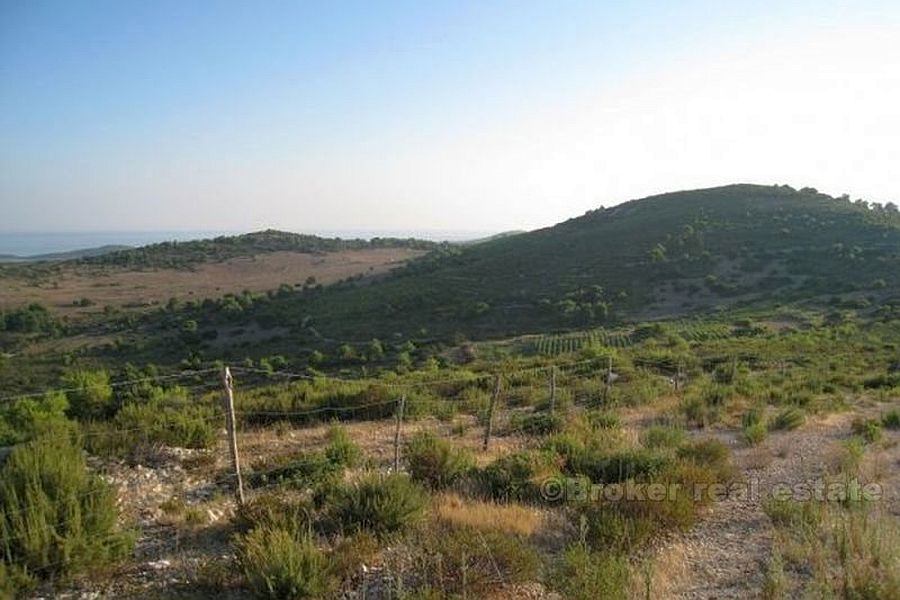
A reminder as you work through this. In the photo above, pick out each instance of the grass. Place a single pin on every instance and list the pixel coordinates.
(868, 429)
(826, 550)
(787, 419)
(510, 518)
(585, 575)
(452, 561)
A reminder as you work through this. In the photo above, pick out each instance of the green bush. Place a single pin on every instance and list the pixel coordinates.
(698, 412)
(26, 418)
(379, 504)
(90, 395)
(710, 452)
(436, 463)
(662, 436)
(793, 514)
(755, 434)
(166, 418)
(275, 511)
(787, 419)
(602, 419)
(342, 450)
(535, 423)
(56, 517)
(752, 417)
(280, 565)
(892, 419)
(585, 575)
(868, 429)
(518, 476)
(303, 470)
(611, 467)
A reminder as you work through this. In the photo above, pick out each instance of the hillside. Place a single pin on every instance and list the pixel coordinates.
(135, 278)
(668, 254)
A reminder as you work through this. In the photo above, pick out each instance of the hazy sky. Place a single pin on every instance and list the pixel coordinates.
(431, 115)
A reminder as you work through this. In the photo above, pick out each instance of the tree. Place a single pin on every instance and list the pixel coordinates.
(346, 352)
(375, 350)
(658, 253)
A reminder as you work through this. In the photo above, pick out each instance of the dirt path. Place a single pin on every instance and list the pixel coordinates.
(725, 554)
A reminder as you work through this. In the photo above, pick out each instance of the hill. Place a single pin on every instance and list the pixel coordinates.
(184, 254)
(664, 255)
(127, 278)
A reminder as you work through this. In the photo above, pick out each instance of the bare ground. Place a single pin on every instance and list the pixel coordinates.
(121, 288)
(725, 555)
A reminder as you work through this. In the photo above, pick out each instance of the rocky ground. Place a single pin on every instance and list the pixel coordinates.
(181, 503)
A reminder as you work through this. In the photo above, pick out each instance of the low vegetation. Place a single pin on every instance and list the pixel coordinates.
(602, 428)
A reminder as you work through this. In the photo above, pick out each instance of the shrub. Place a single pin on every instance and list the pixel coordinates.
(585, 575)
(891, 420)
(789, 418)
(90, 396)
(535, 423)
(279, 565)
(662, 436)
(794, 515)
(518, 476)
(436, 463)
(868, 429)
(379, 504)
(601, 419)
(604, 467)
(752, 417)
(304, 470)
(26, 418)
(699, 413)
(342, 450)
(167, 419)
(55, 516)
(755, 434)
(705, 452)
(275, 511)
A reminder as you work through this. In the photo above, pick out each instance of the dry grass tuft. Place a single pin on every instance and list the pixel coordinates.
(488, 516)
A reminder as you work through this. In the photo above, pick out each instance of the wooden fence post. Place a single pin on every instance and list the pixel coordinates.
(400, 407)
(553, 389)
(490, 420)
(228, 402)
(608, 379)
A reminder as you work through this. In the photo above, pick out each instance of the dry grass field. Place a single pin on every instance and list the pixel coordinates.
(135, 289)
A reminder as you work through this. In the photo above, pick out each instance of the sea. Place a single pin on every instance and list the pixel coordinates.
(34, 243)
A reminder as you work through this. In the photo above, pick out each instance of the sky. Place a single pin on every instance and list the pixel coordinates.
(451, 116)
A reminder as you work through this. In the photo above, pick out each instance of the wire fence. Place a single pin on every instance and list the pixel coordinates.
(400, 413)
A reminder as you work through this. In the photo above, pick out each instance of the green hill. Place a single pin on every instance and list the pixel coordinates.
(668, 254)
(183, 254)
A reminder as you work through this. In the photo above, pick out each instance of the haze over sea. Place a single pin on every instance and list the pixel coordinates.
(35, 242)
